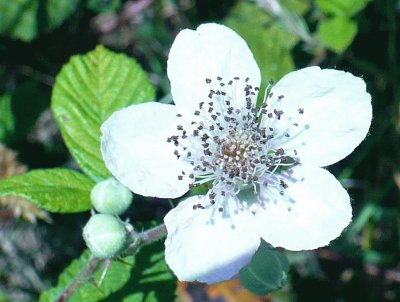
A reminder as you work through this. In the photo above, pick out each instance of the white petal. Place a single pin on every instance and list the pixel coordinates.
(317, 212)
(135, 150)
(209, 52)
(337, 113)
(198, 250)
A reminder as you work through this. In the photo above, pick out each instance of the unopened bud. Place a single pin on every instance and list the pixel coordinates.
(105, 235)
(111, 197)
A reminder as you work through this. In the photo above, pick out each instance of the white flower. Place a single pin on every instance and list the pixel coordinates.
(262, 164)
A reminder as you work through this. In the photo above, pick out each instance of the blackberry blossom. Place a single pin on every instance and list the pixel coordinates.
(262, 164)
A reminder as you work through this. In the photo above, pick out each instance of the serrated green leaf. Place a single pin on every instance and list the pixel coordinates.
(25, 19)
(6, 117)
(56, 190)
(266, 272)
(151, 280)
(337, 33)
(143, 278)
(116, 276)
(341, 7)
(270, 43)
(88, 90)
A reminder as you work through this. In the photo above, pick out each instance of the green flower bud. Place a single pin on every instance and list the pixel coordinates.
(111, 197)
(105, 235)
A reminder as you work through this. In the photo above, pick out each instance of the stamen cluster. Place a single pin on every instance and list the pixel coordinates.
(226, 145)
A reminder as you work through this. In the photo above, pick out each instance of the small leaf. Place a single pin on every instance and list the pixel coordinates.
(56, 190)
(25, 19)
(117, 275)
(337, 33)
(88, 90)
(341, 7)
(266, 272)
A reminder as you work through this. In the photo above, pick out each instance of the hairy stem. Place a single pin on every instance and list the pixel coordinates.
(153, 234)
(79, 280)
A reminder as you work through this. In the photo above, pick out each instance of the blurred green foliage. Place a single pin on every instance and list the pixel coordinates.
(38, 38)
(26, 19)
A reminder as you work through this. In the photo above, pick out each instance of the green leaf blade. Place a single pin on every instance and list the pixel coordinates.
(337, 33)
(266, 272)
(56, 190)
(87, 91)
(141, 278)
(116, 276)
(341, 7)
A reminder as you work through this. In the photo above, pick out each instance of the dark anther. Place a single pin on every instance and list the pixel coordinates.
(208, 81)
(301, 110)
(197, 112)
(271, 82)
(180, 177)
(179, 127)
(236, 78)
(219, 78)
(220, 209)
(194, 207)
(278, 113)
(281, 97)
(179, 115)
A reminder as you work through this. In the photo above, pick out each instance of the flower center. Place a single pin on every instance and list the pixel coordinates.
(227, 146)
